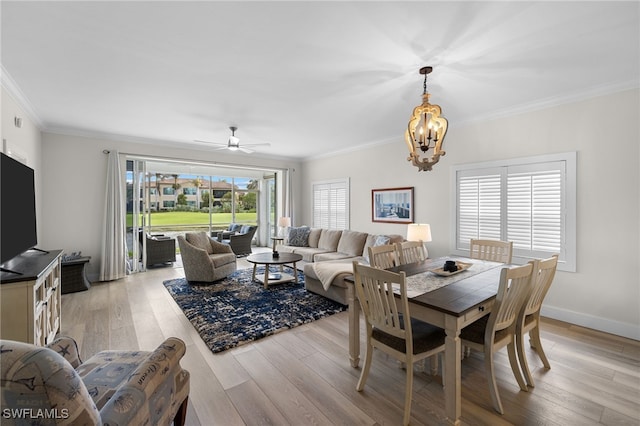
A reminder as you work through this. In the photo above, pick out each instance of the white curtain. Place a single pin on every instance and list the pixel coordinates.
(288, 196)
(114, 245)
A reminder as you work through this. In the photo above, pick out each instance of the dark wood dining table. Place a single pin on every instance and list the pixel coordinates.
(451, 307)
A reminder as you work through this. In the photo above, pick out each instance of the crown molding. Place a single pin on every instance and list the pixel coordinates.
(594, 92)
(12, 88)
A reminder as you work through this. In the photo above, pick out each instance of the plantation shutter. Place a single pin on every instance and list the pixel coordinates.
(535, 208)
(479, 206)
(530, 202)
(331, 204)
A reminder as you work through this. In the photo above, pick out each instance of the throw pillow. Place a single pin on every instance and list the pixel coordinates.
(378, 240)
(299, 237)
(244, 229)
(233, 227)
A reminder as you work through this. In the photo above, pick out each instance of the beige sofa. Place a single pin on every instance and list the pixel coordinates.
(327, 258)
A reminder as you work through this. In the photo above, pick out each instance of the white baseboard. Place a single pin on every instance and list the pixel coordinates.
(631, 331)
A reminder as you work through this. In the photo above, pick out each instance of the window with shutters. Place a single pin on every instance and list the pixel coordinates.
(331, 204)
(530, 201)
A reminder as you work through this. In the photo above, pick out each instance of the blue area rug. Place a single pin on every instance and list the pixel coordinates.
(234, 311)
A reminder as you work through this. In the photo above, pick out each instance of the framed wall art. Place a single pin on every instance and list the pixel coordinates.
(392, 205)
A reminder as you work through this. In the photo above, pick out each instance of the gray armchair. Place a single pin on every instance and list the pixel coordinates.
(240, 242)
(204, 259)
(160, 249)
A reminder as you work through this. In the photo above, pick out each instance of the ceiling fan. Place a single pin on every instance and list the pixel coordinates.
(234, 143)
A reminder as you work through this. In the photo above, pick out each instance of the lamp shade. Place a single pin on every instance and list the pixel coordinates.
(284, 222)
(419, 232)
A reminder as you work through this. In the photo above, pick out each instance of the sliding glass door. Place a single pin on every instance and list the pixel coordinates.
(136, 212)
(171, 198)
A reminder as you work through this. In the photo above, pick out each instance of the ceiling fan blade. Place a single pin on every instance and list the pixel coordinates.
(245, 150)
(257, 144)
(211, 143)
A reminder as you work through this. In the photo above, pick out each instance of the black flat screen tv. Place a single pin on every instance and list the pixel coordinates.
(17, 208)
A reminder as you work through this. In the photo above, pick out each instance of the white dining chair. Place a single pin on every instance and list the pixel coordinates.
(411, 252)
(498, 329)
(388, 329)
(493, 250)
(383, 257)
(529, 318)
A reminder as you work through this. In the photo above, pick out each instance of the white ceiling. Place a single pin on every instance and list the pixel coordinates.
(308, 77)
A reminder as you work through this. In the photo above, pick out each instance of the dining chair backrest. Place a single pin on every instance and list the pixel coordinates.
(411, 252)
(514, 287)
(374, 288)
(493, 250)
(382, 257)
(543, 276)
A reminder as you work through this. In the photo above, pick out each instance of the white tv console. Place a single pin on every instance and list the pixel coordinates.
(30, 301)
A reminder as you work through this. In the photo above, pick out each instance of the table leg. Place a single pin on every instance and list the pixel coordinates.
(266, 276)
(295, 273)
(253, 275)
(452, 371)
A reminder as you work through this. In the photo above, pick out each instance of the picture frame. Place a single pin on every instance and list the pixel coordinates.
(392, 205)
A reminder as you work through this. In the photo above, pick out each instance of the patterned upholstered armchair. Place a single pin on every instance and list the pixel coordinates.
(112, 387)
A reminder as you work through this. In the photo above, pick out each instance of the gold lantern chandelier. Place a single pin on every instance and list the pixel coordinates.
(426, 131)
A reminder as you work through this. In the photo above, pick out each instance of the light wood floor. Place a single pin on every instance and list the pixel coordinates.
(302, 376)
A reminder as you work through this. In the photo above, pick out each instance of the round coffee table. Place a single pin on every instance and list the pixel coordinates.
(267, 260)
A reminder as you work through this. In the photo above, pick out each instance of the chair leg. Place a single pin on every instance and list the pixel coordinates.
(365, 368)
(491, 378)
(434, 365)
(524, 364)
(513, 360)
(181, 414)
(534, 335)
(408, 394)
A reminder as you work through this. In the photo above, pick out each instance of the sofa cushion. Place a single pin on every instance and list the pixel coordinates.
(199, 240)
(299, 237)
(331, 255)
(308, 253)
(286, 249)
(329, 239)
(314, 237)
(352, 242)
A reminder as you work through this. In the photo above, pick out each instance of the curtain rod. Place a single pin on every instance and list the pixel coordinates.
(198, 162)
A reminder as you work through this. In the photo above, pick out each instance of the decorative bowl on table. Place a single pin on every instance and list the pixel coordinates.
(445, 272)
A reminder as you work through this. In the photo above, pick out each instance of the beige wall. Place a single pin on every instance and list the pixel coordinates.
(604, 293)
(24, 142)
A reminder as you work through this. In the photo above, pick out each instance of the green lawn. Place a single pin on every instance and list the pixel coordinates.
(193, 218)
